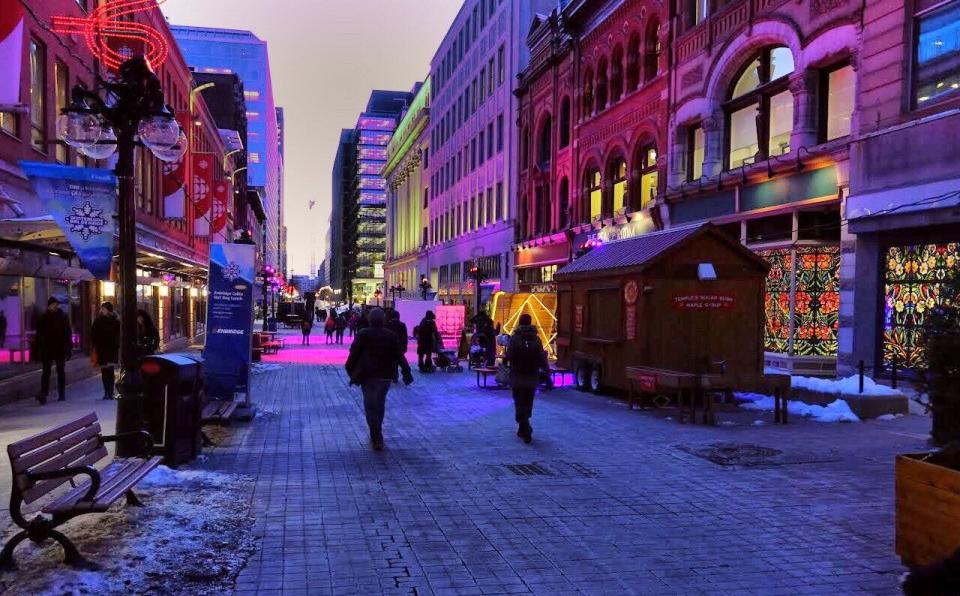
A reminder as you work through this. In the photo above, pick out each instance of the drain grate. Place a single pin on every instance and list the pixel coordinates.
(528, 470)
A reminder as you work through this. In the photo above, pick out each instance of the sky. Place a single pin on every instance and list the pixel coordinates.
(325, 58)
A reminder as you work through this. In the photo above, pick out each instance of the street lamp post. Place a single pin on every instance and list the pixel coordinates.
(133, 113)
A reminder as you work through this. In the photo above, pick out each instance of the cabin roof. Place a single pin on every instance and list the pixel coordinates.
(638, 252)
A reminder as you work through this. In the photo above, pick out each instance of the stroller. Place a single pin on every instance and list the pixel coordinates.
(478, 351)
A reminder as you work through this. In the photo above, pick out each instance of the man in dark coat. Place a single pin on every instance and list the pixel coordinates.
(427, 336)
(105, 337)
(527, 360)
(399, 328)
(54, 346)
(372, 364)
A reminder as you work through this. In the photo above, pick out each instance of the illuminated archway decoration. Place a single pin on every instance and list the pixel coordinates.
(513, 319)
(114, 40)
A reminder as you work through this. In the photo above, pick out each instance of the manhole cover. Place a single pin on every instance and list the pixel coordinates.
(736, 454)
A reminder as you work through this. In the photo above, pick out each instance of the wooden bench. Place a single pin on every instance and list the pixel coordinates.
(44, 462)
(218, 411)
(272, 347)
(485, 371)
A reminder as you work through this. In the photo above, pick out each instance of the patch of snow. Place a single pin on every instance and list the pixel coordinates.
(847, 386)
(889, 416)
(193, 536)
(838, 411)
(264, 367)
(758, 423)
(727, 423)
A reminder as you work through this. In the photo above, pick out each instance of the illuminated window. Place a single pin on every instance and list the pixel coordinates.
(595, 193)
(936, 72)
(838, 102)
(619, 172)
(253, 157)
(647, 165)
(61, 80)
(696, 143)
(251, 95)
(914, 280)
(8, 123)
(760, 110)
(808, 326)
(38, 95)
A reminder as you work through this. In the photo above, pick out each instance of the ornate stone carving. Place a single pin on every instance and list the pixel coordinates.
(692, 77)
(819, 8)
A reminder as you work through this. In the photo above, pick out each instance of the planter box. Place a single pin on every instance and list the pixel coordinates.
(928, 508)
(864, 406)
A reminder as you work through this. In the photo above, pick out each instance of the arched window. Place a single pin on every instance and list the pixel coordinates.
(602, 84)
(593, 192)
(616, 78)
(618, 192)
(543, 223)
(563, 209)
(645, 176)
(633, 62)
(545, 143)
(651, 58)
(588, 94)
(564, 122)
(760, 109)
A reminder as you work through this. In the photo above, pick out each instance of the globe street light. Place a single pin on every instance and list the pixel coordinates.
(425, 286)
(133, 113)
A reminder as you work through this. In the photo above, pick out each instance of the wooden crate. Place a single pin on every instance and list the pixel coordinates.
(928, 508)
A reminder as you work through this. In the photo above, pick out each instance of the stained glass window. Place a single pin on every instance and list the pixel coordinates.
(816, 313)
(811, 319)
(914, 278)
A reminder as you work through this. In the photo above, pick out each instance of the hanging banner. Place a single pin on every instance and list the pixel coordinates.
(229, 320)
(202, 192)
(83, 202)
(222, 192)
(11, 50)
(175, 179)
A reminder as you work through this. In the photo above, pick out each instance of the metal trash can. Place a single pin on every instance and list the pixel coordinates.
(173, 404)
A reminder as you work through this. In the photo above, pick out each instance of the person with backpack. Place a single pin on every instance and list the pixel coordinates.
(399, 328)
(374, 358)
(306, 326)
(527, 360)
(342, 325)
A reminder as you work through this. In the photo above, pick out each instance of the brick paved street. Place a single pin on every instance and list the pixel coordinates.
(617, 503)
(623, 508)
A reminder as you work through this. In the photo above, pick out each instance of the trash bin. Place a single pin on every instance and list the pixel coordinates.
(173, 404)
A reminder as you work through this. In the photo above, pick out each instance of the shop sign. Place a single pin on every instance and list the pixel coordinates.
(648, 383)
(631, 322)
(711, 301)
(631, 292)
(578, 318)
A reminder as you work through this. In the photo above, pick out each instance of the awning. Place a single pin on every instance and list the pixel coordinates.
(43, 232)
(899, 201)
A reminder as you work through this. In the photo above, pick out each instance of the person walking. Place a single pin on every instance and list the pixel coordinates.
(306, 327)
(527, 359)
(427, 341)
(3, 328)
(105, 337)
(148, 338)
(399, 328)
(54, 346)
(342, 325)
(374, 358)
(353, 320)
(329, 326)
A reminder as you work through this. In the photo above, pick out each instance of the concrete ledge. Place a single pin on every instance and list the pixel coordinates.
(864, 406)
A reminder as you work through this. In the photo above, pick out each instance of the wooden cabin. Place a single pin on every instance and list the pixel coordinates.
(687, 299)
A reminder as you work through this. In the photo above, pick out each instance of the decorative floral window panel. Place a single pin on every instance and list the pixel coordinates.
(777, 299)
(816, 315)
(914, 279)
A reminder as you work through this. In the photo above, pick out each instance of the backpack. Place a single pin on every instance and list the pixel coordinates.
(526, 354)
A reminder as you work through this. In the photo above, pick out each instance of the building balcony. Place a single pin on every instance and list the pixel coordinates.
(719, 26)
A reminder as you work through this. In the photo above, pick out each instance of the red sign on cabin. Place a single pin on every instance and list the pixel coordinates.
(704, 301)
(578, 318)
(631, 322)
(648, 383)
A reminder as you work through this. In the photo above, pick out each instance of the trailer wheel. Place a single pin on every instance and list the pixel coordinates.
(583, 377)
(596, 383)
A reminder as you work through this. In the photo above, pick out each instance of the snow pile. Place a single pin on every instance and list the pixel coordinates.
(193, 536)
(847, 386)
(887, 417)
(838, 411)
(264, 367)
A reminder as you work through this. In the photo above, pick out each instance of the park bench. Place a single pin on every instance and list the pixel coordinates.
(218, 411)
(45, 462)
(484, 372)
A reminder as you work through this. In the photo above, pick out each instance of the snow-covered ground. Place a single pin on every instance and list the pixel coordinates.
(838, 411)
(847, 386)
(192, 537)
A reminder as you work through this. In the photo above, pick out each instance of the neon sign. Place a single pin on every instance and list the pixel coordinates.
(113, 39)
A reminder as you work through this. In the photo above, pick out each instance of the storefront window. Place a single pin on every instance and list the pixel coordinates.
(937, 54)
(914, 280)
(760, 110)
(807, 324)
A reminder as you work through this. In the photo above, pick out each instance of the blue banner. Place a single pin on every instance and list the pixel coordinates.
(83, 202)
(229, 320)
